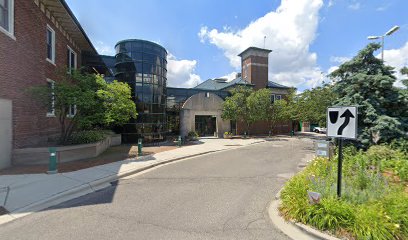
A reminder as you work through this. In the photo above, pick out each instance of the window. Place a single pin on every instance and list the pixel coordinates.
(7, 17)
(278, 97)
(50, 44)
(71, 60)
(272, 98)
(72, 110)
(207, 94)
(51, 103)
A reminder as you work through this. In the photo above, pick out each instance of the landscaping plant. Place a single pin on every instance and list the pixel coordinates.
(374, 203)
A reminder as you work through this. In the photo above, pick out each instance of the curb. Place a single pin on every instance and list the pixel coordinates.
(295, 230)
(91, 187)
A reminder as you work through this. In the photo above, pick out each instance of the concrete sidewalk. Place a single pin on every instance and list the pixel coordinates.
(24, 194)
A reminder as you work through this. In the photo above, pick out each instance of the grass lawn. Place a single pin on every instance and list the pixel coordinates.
(374, 202)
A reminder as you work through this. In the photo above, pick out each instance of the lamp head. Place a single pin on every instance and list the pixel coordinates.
(392, 30)
(373, 37)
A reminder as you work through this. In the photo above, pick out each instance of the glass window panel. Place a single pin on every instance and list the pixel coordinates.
(73, 56)
(147, 68)
(137, 46)
(147, 78)
(4, 14)
(122, 47)
(139, 77)
(147, 45)
(139, 66)
(149, 58)
(137, 56)
(155, 79)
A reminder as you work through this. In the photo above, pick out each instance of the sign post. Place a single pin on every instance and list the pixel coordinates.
(341, 124)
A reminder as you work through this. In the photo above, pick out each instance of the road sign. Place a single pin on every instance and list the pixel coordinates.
(322, 148)
(342, 122)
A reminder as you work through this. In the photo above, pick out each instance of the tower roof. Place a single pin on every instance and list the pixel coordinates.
(255, 49)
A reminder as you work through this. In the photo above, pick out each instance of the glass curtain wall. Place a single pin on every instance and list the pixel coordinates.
(143, 65)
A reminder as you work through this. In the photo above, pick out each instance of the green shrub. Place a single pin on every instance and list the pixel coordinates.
(330, 214)
(400, 144)
(371, 222)
(369, 208)
(84, 137)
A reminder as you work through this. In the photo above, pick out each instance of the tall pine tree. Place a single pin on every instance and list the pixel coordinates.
(367, 82)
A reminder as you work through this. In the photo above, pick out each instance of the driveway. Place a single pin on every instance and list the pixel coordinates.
(223, 195)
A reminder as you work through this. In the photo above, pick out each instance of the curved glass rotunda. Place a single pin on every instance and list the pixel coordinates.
(143, 65)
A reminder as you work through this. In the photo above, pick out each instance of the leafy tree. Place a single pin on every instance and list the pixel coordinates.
(236, 107)
(311, 105)
(97, 103)
(258, 104)
(366, 82)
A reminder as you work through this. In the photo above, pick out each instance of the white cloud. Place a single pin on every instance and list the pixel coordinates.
(339, 60)
(104, 49)
(290, 30)
(397, 58)
(181, 73)
(354, 6)
(231, 76)
(383, 7)
(332, 69)
(331, 3)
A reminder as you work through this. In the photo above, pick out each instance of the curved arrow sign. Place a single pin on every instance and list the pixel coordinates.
(347, 115)
(342, 122)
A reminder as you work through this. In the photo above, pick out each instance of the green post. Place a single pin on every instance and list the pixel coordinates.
(292, 133)
(245, 136)
(269, 133)
(52, 165)
(139, 147)
(179, 141)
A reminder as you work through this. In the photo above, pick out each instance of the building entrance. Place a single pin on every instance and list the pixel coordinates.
(205, 125)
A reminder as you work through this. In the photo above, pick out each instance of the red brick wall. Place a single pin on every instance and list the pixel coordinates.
(23, 65)
(257, 75)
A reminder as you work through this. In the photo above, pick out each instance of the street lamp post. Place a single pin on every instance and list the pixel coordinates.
(391, 31)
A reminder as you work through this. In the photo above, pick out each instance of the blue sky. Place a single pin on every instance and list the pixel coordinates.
(309, 38)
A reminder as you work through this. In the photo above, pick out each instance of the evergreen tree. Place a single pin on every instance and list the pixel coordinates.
(365, 81)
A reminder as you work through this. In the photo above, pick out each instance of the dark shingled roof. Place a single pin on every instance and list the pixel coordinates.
(255, 48)
(275, 85)
(219, 84)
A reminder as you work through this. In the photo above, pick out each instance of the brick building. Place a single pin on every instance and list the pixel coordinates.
(254, 69)
(37, 38)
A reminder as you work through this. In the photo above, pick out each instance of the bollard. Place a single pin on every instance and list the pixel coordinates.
(179, 141)
(292, 133)
(269, 134)
(245, 135)
(139, 147)
(52, 165)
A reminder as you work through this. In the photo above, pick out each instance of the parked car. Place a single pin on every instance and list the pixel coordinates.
(319, 130)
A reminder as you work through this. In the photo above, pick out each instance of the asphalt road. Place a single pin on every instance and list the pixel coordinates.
(222, 195)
